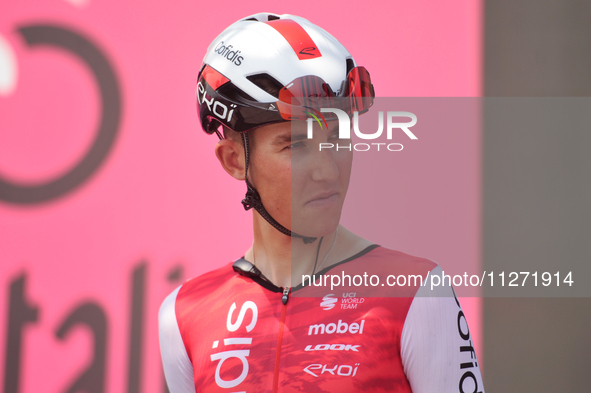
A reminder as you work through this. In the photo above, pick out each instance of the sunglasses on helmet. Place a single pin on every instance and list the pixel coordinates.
(296, 100)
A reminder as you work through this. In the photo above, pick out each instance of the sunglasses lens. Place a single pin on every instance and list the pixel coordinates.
(304, 93)
(310, 93)
(359, 89)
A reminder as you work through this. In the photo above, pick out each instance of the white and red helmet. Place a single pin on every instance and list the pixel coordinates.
(269, 68)
(255, 71)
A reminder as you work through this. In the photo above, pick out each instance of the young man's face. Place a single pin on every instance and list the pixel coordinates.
(301, 187)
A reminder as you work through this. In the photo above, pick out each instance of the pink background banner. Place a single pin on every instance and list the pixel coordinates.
(110, 195)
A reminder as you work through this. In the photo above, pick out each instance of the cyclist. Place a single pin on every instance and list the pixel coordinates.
(254, 325)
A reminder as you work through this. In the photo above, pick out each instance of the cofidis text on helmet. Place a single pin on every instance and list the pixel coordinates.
(345, 130)
(229, 53)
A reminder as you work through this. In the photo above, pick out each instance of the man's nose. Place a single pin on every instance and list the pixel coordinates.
(324, 166)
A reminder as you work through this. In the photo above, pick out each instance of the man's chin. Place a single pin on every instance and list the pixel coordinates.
(315, 228)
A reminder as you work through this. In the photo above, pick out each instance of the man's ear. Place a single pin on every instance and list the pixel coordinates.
(230, 153)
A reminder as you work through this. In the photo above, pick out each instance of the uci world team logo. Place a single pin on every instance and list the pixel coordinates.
(328, 302)
(396, 121)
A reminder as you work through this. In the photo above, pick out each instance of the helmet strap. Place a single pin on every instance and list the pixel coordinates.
(253, 199)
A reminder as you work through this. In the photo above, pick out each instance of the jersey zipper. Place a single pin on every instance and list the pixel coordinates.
(284, 300)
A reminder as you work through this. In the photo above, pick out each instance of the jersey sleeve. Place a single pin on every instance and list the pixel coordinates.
(178, 369)
(436, 347)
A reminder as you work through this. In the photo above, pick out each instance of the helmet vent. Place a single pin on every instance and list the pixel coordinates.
(233, 93)
(267, 83)
(251, 19)
(272, 17)
(350, 65)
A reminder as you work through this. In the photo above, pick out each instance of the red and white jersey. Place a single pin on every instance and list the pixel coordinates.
(222, 332)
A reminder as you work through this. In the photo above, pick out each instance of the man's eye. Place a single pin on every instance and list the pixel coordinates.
(296, 145)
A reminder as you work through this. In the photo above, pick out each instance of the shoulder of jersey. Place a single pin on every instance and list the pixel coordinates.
(209, 281)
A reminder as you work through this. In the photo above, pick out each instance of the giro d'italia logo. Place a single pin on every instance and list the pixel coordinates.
(61, 38)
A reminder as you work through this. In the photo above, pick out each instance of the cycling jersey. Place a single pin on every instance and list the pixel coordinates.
(222, 332)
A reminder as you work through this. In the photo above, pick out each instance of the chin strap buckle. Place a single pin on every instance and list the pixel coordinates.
(252, 199)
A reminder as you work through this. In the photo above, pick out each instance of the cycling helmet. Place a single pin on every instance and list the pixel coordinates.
(269, 68)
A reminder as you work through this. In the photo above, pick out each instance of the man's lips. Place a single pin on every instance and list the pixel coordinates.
(324, 199)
